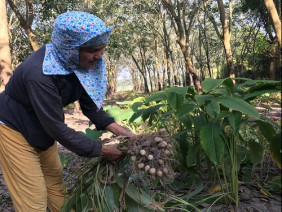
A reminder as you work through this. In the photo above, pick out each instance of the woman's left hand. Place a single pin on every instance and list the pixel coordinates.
(119, 130)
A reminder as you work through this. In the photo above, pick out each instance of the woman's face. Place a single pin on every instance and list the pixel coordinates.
(88, 56)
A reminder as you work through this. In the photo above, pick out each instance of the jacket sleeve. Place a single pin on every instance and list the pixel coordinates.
(47, 104)
(99, 117)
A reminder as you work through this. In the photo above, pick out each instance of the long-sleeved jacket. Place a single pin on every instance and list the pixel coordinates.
(32, 104)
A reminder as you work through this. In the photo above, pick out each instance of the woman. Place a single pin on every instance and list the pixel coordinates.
(69, 68)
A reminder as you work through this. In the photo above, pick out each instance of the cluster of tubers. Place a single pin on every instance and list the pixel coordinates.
(152, 154)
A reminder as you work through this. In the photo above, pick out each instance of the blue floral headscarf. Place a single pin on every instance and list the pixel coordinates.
(73, 30)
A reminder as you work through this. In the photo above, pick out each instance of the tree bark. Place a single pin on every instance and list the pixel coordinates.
(5, 54)
(157, 63)
(135, 82)
(270, 6)
(166, 41)
(183, 32)
(146, 88)
(26, 22)
(207, 48)
(111, 77)
(225, 37)
(226, 28)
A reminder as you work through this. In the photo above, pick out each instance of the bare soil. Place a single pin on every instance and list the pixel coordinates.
(251, 198)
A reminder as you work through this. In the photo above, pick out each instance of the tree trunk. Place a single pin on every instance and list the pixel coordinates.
(166, 41)
(272, 68)
(150, 79)
(157, 64)
(5, 54)
(200, 53)
(111, 76)
(207, 48)
(225, 37)
(226, 28)
(164, 71)
(270, 6)
(134, 78)
(174, 71)
(146, 88)
(26, 22)
(183, 32)
(168, 70)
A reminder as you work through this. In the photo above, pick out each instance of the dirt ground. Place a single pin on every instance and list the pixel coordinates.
(251, 199)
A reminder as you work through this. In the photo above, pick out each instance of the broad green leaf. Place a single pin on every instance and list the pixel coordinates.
(158, 96)
(213, 109)
(112, 198)
(131, 206)
(138, 99)
(136, 105)
(251, 82)
(210, 84)
(138, 195)
(136, 115)
(185, 109)
(193, 150)
(276, 149)
(124, 115)
(222, 115)
(235, 121)
(107, 107)
(175, 96)
(148, 112)
(221, 91)
(274, 184)
(183, 142)
(64, 160)
(256, 151)
(92, 134)
(199, 121)
(123, 103)
(191, 91)
(201, 99)
(239, 105)
(265, 86)
(164, 117)
(212, 143)
(269, 120)
(186, 121)
(259, 93)
(266, 129)
(229, 85)
(242, 78)
(114, 111)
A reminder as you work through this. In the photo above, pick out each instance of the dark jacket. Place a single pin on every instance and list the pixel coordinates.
(32, 104)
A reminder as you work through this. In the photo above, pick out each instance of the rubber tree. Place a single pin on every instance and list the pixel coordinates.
(225, 35)
(26, 21)
(183, 21)
(270, 6)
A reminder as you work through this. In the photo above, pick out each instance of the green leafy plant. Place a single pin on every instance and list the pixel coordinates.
(218, 123)
(64, 160)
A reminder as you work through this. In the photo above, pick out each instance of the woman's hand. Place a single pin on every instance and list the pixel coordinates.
(111, 153)
(119, 130)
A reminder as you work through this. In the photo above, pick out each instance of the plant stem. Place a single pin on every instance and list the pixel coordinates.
(234, 173)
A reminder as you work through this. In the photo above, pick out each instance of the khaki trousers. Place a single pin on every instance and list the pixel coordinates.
(34, 178)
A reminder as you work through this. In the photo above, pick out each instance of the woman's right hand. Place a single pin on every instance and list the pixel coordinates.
(111, 153)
